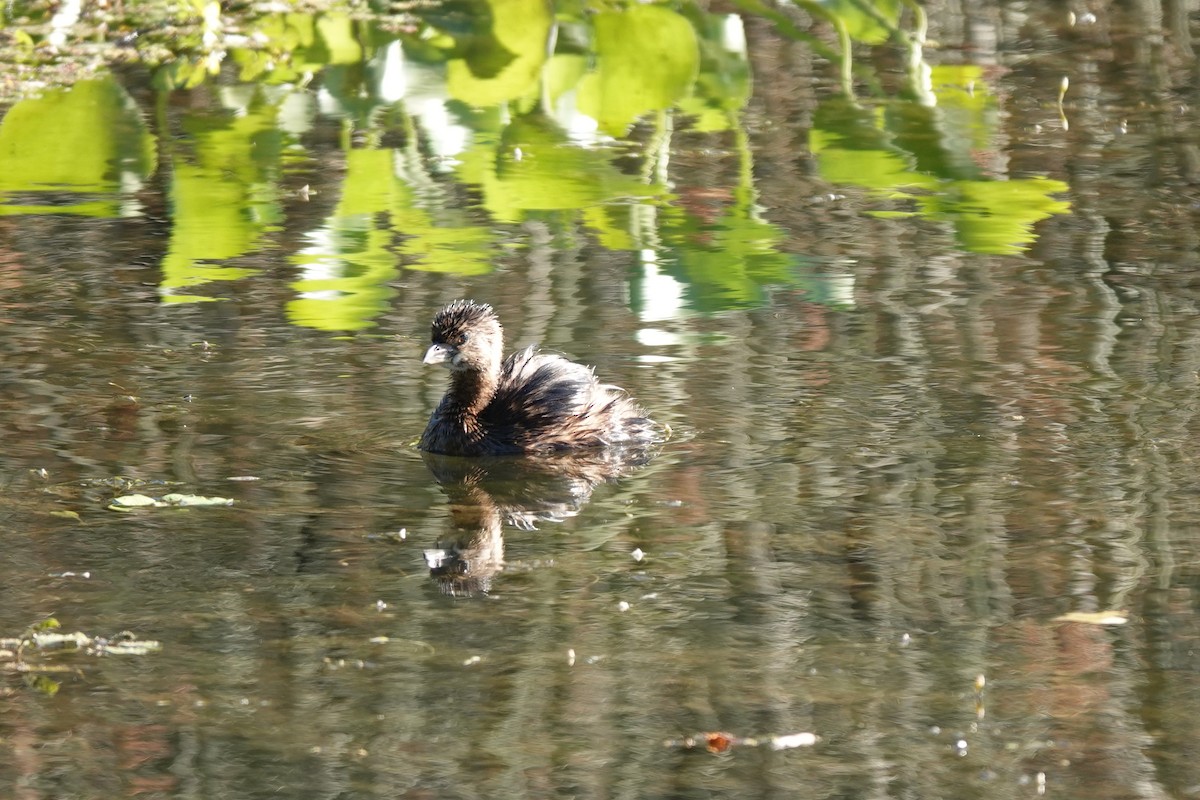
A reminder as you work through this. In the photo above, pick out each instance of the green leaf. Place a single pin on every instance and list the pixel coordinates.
(43, 684)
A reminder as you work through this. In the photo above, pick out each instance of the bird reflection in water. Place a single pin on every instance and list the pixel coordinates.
(521, 491)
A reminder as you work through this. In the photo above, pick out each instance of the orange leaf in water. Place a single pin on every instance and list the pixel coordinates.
(718, 742)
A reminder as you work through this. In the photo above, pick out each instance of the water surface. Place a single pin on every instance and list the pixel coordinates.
(929, 353)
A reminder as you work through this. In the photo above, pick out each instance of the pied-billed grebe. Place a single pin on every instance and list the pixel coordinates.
(530, 402)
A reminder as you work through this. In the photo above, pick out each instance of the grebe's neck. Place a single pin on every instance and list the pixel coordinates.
(471, 391)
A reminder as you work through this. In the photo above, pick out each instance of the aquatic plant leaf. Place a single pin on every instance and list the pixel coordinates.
(134, 501)
(194, 500)
(647, 59)
(723, 741)
(291, 33)
(43, 684)
(28, 653)
(290, 47)
(174, 499)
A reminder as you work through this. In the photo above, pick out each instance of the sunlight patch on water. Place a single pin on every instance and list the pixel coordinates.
(663, 295)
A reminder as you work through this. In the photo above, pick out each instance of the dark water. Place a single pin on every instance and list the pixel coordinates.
(931, 369)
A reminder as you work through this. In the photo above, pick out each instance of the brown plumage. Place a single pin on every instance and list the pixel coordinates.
(530, 402)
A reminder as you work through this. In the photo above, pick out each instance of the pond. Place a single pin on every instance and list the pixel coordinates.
(915, 291)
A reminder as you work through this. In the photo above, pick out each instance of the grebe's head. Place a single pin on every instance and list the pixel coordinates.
(466, 337)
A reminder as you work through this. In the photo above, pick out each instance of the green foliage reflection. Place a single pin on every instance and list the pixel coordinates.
(352, 259)
(86, 140)
(222, 198)
(728, 260)
(934, 154)
(564, 110)
(530, 166)
(505, 66)
(647, 59)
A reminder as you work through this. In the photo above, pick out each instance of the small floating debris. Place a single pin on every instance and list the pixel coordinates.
(30, 652)
(793, 740)
(722, 741)
(392, 537)
(173, 500)
(1094, 617)
(124, 643)
(123, 484)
